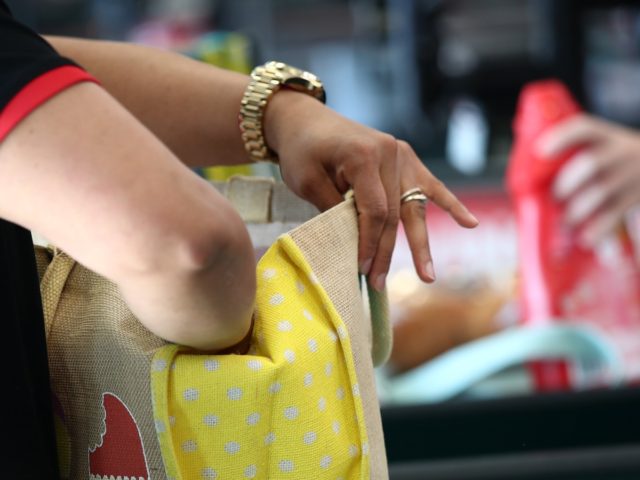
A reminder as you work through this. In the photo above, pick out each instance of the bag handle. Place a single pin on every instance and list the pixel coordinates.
(456, 371)
(52, 284)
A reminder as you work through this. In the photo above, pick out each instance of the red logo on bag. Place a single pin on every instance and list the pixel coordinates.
(120, 455)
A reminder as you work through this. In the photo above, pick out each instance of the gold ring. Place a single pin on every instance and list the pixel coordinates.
(414, 194)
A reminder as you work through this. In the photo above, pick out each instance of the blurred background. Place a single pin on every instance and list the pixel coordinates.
(459, 399)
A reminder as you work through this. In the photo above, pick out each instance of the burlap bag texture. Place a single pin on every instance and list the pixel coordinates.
(100, 355)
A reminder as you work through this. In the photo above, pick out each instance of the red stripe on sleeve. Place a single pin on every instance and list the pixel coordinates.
(38, 91)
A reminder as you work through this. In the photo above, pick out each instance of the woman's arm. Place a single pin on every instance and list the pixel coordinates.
(193, 108)
(82, 171)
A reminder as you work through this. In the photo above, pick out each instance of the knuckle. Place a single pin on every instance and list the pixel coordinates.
(388, 144)
(372, 148)
(376, 211)
(404, 147)
(362, 148)
(306, 188)
(393, 216)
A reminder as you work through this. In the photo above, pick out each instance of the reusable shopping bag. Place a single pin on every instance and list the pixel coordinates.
(301, 404)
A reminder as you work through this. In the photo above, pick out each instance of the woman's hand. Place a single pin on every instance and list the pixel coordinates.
(323, 155)
(600, 183)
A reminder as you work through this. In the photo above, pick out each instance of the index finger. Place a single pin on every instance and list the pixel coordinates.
(439, 194)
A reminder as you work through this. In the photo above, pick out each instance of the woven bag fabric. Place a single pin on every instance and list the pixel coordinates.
(101, 357)
(292, 407)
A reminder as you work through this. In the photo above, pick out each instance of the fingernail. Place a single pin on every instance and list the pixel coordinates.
(366, 266)
(380, 282)
(430, 271)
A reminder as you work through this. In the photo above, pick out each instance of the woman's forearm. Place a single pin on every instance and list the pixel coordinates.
(191, 106)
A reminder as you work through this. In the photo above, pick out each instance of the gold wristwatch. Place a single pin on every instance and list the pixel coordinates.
(265, 81)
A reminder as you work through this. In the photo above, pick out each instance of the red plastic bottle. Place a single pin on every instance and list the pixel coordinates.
(560, 279)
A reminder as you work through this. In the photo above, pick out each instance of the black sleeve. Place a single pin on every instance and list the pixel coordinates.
(24, 55)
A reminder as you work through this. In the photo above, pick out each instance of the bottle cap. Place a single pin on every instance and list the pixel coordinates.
(541, 105)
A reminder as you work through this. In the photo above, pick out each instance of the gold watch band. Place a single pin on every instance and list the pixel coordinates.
(265, 81)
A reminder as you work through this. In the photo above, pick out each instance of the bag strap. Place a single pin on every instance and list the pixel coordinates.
(52, 284)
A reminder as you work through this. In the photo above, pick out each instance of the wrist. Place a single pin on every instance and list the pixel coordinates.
(286, 109)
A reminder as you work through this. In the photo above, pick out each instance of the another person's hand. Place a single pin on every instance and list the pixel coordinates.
(601, 182)
(323, 155)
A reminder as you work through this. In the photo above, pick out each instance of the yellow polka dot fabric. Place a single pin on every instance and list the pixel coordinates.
(290, 409)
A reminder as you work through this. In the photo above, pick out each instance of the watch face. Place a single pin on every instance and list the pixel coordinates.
(307, 83)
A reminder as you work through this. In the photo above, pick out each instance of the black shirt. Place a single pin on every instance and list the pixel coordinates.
(27, 445)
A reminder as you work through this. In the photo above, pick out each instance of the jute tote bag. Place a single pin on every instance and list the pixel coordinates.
(302, 403)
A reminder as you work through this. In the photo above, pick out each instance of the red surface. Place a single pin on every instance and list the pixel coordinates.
(38, 91)
(121, 452)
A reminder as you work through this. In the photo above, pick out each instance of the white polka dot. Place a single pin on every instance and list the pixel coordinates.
(308, 379)
(251, 471)
(322, 404)
(313, 278)
(340, 393)
(209, 473)
(232, 447)
(365, 449)
(276, 299)
(336, 426)
(309, 438)
(333, 337)
(269, 273)
(270, 438)
(160, 427)
(307, 315)
(253, 418)
(189, 446)
(172, 420)
(285, 326)
(300, 286)
(210, 420)
(286, 466)
(211, 365)
(291, 413)
(328, 369)
(313, 345)
(325, 462)
(356, 390)
(159, 365)
(254, 365)
(342, 332)
(191, 394)
(290, 356)
(234, 393)
(275, 387)
(353, 451)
